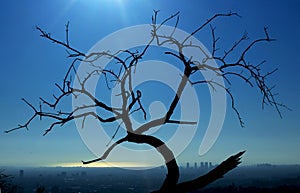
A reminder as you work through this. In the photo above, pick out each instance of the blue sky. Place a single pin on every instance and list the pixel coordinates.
(31, 65)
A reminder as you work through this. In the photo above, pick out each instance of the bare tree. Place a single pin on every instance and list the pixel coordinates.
(131, 99)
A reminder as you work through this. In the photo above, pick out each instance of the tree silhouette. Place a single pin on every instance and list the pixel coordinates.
(131, 99)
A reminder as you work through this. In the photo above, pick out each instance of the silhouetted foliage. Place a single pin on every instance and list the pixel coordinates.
(131, 100)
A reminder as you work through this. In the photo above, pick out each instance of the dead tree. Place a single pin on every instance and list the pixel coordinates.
(131, 99)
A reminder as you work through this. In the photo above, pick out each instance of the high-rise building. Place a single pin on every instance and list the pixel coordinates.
(195, 165)
(206, 165)
(187, 165)
(202, 165)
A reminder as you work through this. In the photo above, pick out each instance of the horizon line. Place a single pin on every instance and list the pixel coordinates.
(125, 165)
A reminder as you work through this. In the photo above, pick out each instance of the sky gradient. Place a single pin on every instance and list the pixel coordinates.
(31, 65)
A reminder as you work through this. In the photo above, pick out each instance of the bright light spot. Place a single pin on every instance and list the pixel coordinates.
(101, 165)
(99, 1)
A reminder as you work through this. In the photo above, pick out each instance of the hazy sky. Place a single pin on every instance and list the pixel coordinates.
(31, 65)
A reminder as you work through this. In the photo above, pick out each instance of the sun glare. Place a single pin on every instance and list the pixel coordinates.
(99, 1)
(112, 5)
(102, 165)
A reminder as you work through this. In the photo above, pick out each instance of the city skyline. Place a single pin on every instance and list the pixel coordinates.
(114, 180)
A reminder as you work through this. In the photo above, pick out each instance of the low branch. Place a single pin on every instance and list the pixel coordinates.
(172, 167)
(107, 152)
(218, 172)
(182, 122)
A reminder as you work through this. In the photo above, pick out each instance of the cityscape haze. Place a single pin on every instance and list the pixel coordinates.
(273, 178)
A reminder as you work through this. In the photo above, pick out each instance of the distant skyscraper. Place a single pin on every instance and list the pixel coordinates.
(210, 165)
(195, 165)
(202, 165)
(206, 165)
(187, 165)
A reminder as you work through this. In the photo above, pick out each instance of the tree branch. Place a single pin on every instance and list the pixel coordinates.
(48, 36)
(218, 172)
